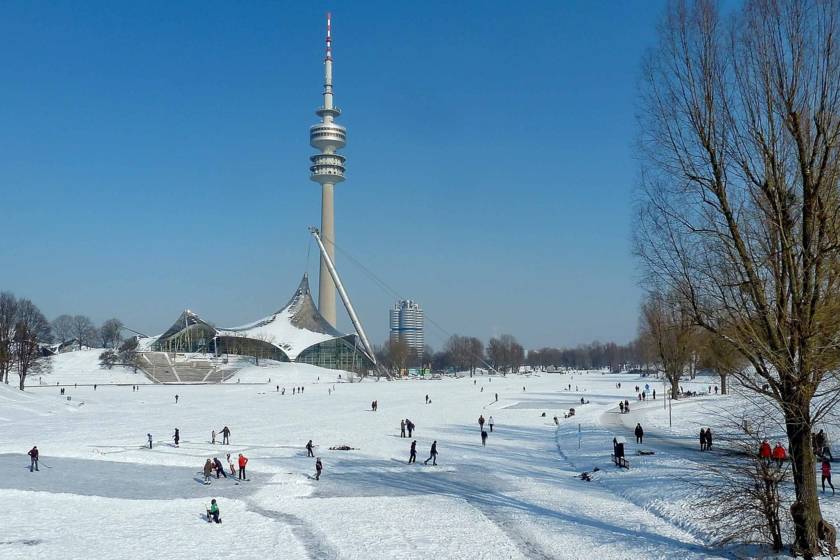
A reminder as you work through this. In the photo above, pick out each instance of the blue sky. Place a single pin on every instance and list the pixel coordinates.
(154, 157)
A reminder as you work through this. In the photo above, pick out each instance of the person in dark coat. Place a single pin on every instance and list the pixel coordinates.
(708, 439)
(33, 460)
(484, 437)
(225, 435)
(621, 406)
(220, 469)
(177, 437)
(433, 453)
(626, 405)
(702, 439)
(318, 468)
(640, 433)
(309, 447)
(409, 425)
(412, 458)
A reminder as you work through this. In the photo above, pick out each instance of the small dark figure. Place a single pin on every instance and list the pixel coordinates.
(318, 468)
(654, 394)
(309, 447)
(708, 439)
(94, 386)
(176, 399)
(556, 421)
(702, 439)
(626, 405)
(432, 454)
(62, 391)
(483, 437)
(621, 406)
(150, 440)
(826, 475)
(33, 461)
(402, 428)
(497, 397)
(481, 421)
(409, 425)
(427, 399)
(177, 437)
(220, 469)
(278, 388)
(640, 433)
(412, 458)
(226, 435)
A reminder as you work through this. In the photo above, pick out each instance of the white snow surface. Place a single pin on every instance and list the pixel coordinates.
(102, 493)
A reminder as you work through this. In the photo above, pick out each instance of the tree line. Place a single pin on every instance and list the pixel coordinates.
(26, 334)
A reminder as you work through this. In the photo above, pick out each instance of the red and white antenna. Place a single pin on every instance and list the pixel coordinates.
(329, 37)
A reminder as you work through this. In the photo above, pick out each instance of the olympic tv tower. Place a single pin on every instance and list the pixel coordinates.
(327, 170)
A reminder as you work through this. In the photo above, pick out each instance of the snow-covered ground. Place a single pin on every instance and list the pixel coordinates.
(102, 493)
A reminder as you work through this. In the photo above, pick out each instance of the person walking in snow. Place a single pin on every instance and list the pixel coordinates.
(626, 406)
(208, 470)
(779, 453)
(764, 451)
(309, 447)
(150, 440)
(481, 422)
(176, 399)
(654, 394)
(33, 461)
(213, 437)
(490, 423)
(230, 464)
(427, 399)
(409, 425)
(318, 468)
(484, 438)
(497, 397)
(621, 406)
(826, 475)
(702, 439)
(226, 436)
(219, 468)
(708, 439)
(433, 453)
(243, 460)
(177, 437)
(412, 458)
(640, 433)
(402, 428)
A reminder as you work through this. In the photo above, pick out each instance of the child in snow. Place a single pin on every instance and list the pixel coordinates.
(213, 512)
(318, 468)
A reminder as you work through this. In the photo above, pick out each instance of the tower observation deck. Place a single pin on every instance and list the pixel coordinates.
(327, 169)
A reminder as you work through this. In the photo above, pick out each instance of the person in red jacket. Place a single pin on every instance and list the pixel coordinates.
(826, 475)
(779, 453)
(243, 460)
(764, 450)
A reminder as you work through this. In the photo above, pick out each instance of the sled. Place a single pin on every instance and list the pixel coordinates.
(621, 462)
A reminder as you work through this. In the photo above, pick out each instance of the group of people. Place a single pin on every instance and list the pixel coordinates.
(225, 436)
(374, 405)
(777, 453)
(706, 439)
(406, 425)
(215, 464)
(433, 453)
(624, 406)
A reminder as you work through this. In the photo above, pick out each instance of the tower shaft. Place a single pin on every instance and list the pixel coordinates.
(328, 170)
(326, 285)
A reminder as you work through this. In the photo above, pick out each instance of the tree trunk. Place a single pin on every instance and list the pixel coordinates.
(723, 383)
(675, 387)
(806, 509)
(23, 378)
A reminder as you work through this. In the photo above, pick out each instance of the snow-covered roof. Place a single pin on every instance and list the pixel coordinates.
(296, 327)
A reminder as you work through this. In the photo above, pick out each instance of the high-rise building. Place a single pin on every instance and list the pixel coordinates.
(328, 170)
(407, 325)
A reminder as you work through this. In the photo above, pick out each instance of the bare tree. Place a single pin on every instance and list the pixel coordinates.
(506, 353)
(667, 327)
(30, 328)
(63, 328)
(398, 353)
(111, 333)
(8, 317)
(740, 210)
(743, 494)
(720, 356)
(83, 331)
